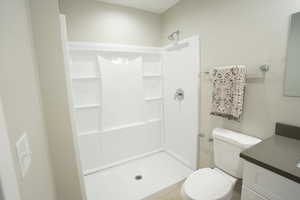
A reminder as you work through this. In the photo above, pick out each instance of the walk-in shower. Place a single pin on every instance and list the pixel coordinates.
(135, 133)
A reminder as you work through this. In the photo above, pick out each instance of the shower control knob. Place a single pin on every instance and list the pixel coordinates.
(179, 95)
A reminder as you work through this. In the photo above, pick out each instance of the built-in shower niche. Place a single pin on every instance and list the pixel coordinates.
(154, 110)
(153, 85)
(84, 65)
(88, 120)
(86, 86)
(86, 92)
(152, 74)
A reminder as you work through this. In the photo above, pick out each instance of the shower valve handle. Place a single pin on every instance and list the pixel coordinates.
(179, 95)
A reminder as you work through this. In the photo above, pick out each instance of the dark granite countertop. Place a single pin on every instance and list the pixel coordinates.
(278, 154)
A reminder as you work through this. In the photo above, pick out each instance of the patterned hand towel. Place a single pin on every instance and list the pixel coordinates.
(228, 91)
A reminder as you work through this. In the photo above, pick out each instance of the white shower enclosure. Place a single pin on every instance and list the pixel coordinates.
(124, 105)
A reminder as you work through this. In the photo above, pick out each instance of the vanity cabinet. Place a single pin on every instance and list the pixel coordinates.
(262, 184)
(249, 194)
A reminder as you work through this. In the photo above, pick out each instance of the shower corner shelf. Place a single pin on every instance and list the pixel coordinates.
(89, 133)
(152, 76)
(153, 98)
(85, 77)
(87, 106)
(154, 120)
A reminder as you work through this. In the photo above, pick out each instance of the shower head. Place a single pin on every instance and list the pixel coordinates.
(174, 36)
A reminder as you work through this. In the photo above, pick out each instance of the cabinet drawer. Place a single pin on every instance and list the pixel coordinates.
(248, 194)
(269, 184)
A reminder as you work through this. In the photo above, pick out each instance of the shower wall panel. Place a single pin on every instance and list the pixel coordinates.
(117, 105)
(122, 92)
(181, 72)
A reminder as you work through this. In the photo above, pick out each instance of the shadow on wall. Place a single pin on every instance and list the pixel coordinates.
(1, 191)
(206, 158)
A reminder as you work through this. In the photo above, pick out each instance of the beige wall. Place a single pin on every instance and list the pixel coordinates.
(92, 21)
(241, 32)
(48, 45)
(232, 32)
(20, 92)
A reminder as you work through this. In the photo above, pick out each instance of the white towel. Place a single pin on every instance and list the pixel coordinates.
(228, 91)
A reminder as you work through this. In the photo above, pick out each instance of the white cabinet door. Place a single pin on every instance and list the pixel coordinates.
(248, 194)
(269, 184)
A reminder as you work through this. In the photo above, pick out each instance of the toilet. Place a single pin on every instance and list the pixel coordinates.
(218, 183)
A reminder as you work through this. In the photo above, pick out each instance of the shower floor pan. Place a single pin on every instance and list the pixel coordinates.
(137, 179)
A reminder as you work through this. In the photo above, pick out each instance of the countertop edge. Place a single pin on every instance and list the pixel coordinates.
(271, 168)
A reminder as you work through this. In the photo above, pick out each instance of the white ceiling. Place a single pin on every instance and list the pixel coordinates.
(156, 6)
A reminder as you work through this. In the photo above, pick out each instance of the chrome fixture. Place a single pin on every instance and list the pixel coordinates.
(264, 68)
(179, 95)
(174, 36)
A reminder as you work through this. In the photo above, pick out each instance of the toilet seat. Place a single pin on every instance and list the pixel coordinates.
(208, 184)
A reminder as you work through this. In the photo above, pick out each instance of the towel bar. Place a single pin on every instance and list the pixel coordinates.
(263, 68)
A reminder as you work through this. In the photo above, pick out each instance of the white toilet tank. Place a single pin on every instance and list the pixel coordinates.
(227, 148)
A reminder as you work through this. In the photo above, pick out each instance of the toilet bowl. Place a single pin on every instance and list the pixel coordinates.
(208, 184)
(218, 183)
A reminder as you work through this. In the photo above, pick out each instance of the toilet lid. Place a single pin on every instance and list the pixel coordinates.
(208, 184)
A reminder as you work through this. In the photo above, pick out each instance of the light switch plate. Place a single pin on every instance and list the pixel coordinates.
(24, 154)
